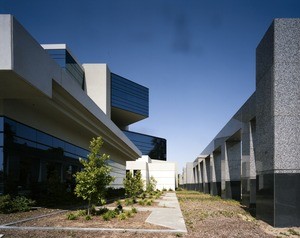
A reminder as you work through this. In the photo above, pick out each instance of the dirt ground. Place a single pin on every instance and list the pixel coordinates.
(205, 216)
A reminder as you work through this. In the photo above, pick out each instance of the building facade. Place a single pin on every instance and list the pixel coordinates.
(51, 106)
(255, 157)
(164, 172)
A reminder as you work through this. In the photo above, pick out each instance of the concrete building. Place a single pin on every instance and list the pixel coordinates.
(51, 106)
(162, 171)
(255, 157)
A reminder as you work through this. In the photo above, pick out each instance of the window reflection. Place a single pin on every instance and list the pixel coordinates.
(33, 157)
(154, 147)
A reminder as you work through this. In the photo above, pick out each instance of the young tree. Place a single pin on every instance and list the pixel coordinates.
(133, 184)
(151, 186)
(92, 181)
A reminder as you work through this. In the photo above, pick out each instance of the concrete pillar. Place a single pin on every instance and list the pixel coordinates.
(215, 165)
(248, 176)
(206, 175)
(278, 120)
(200, 177)
(231, 167)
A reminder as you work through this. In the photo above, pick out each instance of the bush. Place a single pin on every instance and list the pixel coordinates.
(133, 210)
(5, 204)
(88, 217)
(128, 214)
(142, 202)
(99, 212)
(71, 216)
(149, 202)
(18, 204)
(109, 215)
(122, 216)
(129, 201)
(22, 204)
(81, 213)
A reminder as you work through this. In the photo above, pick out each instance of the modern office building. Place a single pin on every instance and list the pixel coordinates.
(255, 157)
(51, 106)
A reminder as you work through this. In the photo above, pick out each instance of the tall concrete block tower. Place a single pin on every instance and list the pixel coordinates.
(278, 124)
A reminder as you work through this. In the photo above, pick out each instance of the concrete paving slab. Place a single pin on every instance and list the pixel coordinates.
(169, 215)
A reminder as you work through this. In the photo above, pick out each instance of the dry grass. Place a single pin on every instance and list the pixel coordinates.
(205, 216)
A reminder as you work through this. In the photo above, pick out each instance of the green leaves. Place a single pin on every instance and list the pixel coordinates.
(133, 184)
(95, 176)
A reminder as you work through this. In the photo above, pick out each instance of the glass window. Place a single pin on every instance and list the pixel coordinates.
(128, 95)
(1, 139)
(22, 141)
(57, 143)
(44, 138)
(26, 132)
(1, 124)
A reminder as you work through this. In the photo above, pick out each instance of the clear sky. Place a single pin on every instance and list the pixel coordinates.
(197, 57)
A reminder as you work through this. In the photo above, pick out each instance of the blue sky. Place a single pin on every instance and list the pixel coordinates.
(197, 57)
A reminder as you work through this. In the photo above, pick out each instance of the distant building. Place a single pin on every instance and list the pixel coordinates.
(165, 173)
(51, 106)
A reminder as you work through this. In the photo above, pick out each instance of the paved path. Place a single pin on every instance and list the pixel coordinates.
(169, 215)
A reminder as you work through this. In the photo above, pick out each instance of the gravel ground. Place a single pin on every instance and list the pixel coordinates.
(205, 216)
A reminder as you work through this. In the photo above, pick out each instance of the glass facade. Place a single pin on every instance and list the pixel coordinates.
(129, 96)
(29, 157)
(154, 147)
(66, 61)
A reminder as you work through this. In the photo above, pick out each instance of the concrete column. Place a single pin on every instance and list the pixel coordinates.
(206, 175)
(248, 176)
(231, 164)
(278, 120)
(215, 165)
(200, 181)
(202, 176)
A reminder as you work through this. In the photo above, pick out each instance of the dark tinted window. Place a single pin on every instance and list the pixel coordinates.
(129, 96)
(152, 146)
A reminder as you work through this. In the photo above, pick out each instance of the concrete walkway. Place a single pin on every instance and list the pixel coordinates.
(169, 215)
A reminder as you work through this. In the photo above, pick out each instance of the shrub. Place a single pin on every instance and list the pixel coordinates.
(149, 202)
(71, 216)
(88, 217)
(18, 204)
(129, 201)
(151, 185)
(129, 213)
(109, 215)
(81, 213)
(22, 204)
(99, 212)
(5, 204)
(133, 210)
(122, 216)
(142, 202)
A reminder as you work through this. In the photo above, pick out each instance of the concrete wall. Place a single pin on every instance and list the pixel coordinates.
(260, 150)
(98, 85)
(163, 172)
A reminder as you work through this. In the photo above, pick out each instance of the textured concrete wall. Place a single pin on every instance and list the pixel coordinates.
(277, 119)
(260, 144)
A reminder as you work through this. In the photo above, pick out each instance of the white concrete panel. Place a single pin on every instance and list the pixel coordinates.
(5, 42)
(98, 85)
